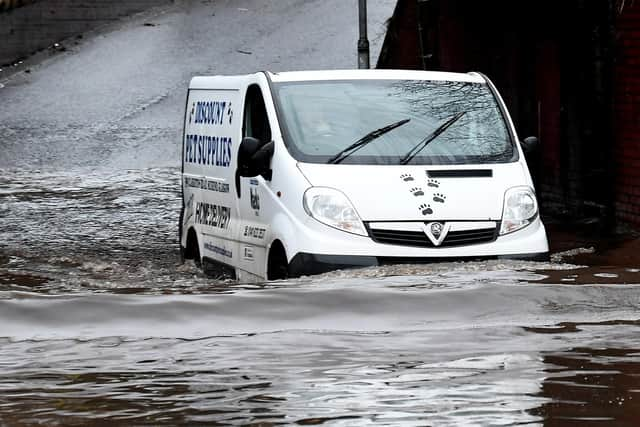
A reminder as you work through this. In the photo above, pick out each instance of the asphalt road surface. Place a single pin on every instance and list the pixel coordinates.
(117, 99)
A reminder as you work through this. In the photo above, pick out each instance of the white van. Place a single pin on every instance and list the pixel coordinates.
(288, 174)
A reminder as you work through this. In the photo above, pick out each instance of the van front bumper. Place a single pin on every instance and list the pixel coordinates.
(305, 264)
(529, 243)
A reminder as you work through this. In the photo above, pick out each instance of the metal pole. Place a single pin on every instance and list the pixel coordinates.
(363, 41)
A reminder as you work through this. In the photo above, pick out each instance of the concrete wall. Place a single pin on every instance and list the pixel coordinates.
(32, 27)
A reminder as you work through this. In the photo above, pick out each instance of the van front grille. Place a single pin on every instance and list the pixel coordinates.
(419, 239)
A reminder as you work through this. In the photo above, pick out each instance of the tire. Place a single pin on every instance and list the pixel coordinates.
(192, 251)
(277, 266)
(196, 255)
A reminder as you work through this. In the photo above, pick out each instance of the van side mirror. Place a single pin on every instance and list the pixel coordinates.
(529, 144)
(254, 158)
(262, 160)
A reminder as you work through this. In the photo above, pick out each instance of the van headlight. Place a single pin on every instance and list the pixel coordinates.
(332, 208)
(520, 209)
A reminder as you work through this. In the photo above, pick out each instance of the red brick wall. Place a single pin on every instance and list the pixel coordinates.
(627, 112)
(6, 5)
(401, 48)
(548, 104)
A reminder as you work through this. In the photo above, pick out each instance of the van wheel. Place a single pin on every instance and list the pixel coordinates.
(192, 251)
(277, 267)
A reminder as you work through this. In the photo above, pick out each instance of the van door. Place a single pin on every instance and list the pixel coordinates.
(210, 141)
(254, 228)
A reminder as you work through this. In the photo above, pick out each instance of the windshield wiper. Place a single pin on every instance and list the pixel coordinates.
(365, 140)
(433, 135)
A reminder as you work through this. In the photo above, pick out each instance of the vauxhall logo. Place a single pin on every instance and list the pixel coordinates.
(436, 232)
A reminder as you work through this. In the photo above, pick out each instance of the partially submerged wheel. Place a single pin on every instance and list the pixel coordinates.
(192, 251)
(277, 266)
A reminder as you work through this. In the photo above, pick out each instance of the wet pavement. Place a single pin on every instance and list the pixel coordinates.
(101, 324)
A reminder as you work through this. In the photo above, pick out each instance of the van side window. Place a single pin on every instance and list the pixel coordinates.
(256, 122)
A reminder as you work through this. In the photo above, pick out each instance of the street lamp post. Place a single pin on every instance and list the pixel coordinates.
(363, 41)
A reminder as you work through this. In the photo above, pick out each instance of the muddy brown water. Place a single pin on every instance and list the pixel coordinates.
(101, 324)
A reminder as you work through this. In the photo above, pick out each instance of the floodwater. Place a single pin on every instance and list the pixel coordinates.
(101, 324)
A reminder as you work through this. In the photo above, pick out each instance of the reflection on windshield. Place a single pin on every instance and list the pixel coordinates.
(322, 118)
(430, 138)
(371, 136)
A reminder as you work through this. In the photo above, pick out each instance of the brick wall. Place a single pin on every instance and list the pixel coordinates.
(6, 5)
(574, 81)
(401, 45)
(33, 27)
(627, 112)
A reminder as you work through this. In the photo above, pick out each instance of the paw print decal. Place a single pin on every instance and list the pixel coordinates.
(417, 191)
(425, 209)
(439, 197)
(193, 110)
(433, 183)
(230, 113)
(406, 177)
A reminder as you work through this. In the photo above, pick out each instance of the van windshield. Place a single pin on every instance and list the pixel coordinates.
(424, 122)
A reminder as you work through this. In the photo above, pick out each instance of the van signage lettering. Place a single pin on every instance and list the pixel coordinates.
(210, 112)
(206, 184)
(208, 150)
(220, 187)
(248, 253)
(212, 215)
(218, 250)
(255, 199)
(193, 182)
(255, 232)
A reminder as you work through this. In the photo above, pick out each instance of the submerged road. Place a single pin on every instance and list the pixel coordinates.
(101, 324)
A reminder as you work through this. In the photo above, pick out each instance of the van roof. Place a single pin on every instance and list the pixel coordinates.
(293, 76)
(233, 82)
